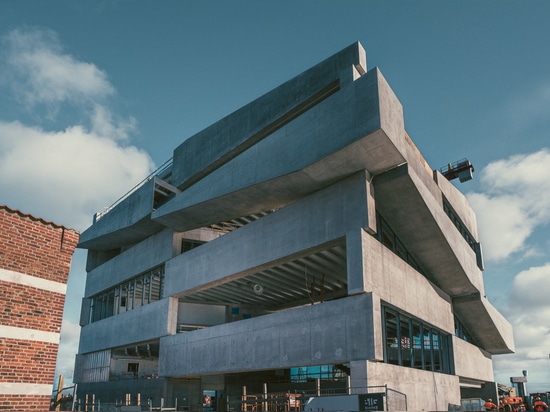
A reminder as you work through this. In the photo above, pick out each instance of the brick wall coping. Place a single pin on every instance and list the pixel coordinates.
(34, 218)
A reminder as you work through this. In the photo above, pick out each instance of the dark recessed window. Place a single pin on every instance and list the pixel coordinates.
(187, 244)
(411, 343)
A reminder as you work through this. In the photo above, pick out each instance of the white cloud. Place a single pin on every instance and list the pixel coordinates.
(513, 203)
(529, 312)
(511, 206)
(534, 285)
(40, 73)
(104, 124)
(68, 172)
(65, 176)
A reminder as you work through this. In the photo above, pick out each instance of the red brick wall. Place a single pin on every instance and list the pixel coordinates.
(35, 247)
(27, 361)
(27, 307)
(41, 249)
(24, 403)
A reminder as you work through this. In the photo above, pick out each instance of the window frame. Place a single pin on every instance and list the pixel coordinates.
(429, 360)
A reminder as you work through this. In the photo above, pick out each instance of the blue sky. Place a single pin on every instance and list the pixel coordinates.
(96, 95)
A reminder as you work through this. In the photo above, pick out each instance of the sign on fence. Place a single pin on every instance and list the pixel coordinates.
(371, 402)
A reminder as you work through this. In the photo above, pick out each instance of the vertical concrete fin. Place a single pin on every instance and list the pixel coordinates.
(391, 113)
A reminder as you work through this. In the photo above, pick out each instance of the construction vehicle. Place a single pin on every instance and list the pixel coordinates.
(516, 402)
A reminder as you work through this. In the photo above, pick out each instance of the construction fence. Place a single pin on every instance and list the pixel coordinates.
(386, 398)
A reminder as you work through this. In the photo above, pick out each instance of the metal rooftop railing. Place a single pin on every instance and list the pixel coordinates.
(163, 172)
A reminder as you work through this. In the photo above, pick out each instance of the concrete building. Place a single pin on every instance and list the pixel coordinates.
(301, 239)
(35, 258)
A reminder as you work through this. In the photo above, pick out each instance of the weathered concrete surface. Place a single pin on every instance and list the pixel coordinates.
(332, 332)
(138, 325)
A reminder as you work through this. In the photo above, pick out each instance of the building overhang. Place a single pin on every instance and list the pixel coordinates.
(359, 127)
(128, 222)
(418, 222)
(319, 275)
(373, 152)
(488, 327)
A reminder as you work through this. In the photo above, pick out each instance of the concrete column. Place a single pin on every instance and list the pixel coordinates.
(172, 316)
(370, 226)
(355, 261)
(358, 374)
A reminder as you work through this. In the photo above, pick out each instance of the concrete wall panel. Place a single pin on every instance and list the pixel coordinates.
(471, 361)
(322, 217)
(310, 335)
(407, 203)
(394, 281)
(138, 325)
(147, 254)
(128, 221)
(459, 203)
(426, 391)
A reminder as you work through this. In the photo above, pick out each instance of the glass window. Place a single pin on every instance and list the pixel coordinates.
(445, 354)
(116, 305)
(330, 373)
(138, 293)
(110, 303)
(410, 343)
(157, 284)
(123, 297)
(392, 341)
(133, 367)
(188, 244)
(92, 310)
(130, 300)
(400, 250)
(405, 341)
(386, 235)
(427, 342)
(147, 289)
(462, 333)
(436, 350)
(129, 295)
(388, 238)
(417, 346)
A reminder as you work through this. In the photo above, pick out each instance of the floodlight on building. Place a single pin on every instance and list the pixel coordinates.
(463, 169)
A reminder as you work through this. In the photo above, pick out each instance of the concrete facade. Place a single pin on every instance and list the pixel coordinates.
(304, 232)
(35, 257)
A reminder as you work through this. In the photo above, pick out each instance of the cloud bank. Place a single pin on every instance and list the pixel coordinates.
(529, 312)
(513, 204)
(512, 212)
(66, 172)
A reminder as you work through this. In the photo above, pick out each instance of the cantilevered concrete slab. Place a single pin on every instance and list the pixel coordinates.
(359, 127)
(219, 143)
(130, 221)
(397, 196)
(488, 327)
